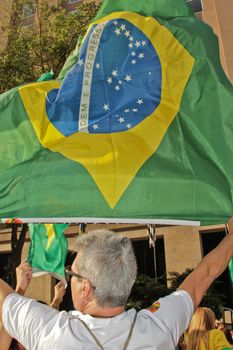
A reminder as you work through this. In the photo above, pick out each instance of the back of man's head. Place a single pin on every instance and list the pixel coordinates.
(108, 261)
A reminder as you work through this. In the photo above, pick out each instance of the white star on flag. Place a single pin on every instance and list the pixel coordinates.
(106, 107)
(121, 120)
(127, 33)
(109, 80)
(130, 45)
(141, 55)
(95, 126)
(116, 23)
(128, 126)
(120, 82)
(131, 38)
(80, 62)
(133, 61)
(127, 111)
(138, 44)
(117, 87)
(97, 65)
(114, 73)
(140, 101)
(118, 32)
(128, 78)
(143, 43)
(133, 53)
(134, 110)
(123, 27)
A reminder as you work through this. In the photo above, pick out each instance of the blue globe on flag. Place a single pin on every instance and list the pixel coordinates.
(114, 86)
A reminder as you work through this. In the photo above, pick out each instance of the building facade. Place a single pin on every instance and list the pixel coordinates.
(176, 249)
(218, 14)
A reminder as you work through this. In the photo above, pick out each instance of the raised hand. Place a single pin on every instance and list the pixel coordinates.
(59, 292)
(23, 276)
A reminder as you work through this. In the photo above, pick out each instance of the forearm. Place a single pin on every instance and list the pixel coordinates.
(5, 290)
(20, 290)
(23, 273)
(215, 263)
(55, 305)
(5, 338)
(212, 265)
(56, 302)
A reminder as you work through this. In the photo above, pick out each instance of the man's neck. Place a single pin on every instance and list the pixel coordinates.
(94, 310)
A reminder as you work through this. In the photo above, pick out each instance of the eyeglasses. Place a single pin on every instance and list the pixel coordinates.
(69, 273)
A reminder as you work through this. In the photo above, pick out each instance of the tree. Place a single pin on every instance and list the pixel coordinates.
(44, 46)
(146, 291)
(213, 298)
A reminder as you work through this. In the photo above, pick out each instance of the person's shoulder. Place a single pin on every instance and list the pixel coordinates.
(177, 299)
(217, 333)
(218, 338)
(12, 298)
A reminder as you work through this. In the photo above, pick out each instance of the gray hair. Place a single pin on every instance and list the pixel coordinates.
(108, 261)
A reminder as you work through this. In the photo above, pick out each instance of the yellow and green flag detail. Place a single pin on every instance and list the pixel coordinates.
(140, 127)
(48, 249)
(113, 159)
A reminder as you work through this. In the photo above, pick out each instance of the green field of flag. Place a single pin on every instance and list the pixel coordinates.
(173, 160)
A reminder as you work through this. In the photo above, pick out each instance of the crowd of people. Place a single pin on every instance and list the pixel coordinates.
(102, 276)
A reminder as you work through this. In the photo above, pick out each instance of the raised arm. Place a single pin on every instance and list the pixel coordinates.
(23, 276)
(5, 339)
(211, 266)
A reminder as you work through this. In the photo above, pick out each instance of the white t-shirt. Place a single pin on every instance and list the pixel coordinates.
(39, 327)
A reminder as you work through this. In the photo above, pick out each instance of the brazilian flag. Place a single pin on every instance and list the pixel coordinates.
(140, 127)
(48, 249)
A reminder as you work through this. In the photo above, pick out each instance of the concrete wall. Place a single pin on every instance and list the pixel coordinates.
(182, 247)
(219, 15)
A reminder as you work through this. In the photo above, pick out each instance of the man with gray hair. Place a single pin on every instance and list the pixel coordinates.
(102, 276)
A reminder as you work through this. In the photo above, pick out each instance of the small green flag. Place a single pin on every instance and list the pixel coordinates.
(231, 270)
(46, 76)
(48, 249)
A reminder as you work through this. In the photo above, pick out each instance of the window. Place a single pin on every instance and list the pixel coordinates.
(145, 258)
(210, 240)
(29, 10)
(72, 1)
(5, 267)
(29, 27)
(73, 12)
(195, 5)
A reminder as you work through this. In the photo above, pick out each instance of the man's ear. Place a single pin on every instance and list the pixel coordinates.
(87, 289)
